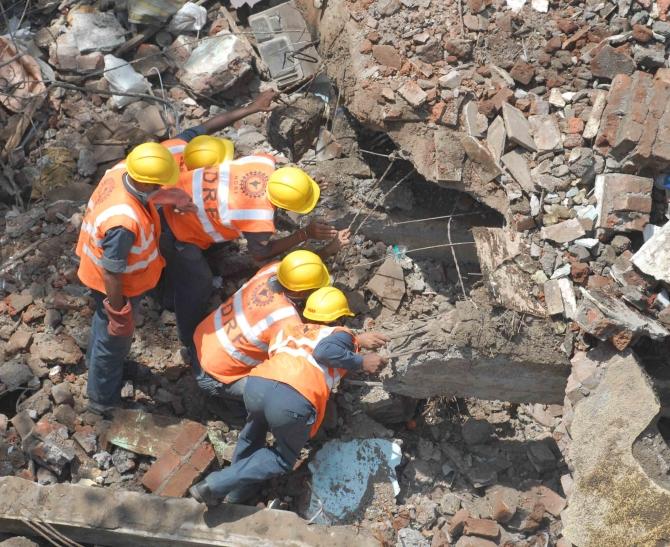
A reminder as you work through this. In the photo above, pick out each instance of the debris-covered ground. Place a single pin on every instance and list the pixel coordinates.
(502, 169)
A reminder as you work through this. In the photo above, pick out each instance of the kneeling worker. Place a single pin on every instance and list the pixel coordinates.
(236, 336)
(118, 249)
(287, 395)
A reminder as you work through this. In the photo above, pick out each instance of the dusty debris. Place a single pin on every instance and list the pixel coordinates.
(388, 284)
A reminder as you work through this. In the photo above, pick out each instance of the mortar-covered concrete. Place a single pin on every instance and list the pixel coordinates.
(121, 518)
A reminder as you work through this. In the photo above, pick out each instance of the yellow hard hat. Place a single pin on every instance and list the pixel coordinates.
(302, 270)
(327, 304)
(152, 163)
(292, 189)
(206, 151)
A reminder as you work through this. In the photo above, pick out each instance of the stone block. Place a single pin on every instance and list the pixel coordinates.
(653, 258)
(412, 93)
(609, 61)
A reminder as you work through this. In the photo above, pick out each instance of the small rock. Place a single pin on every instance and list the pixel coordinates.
(45, 477)
(608, 62)
(61, 394)
(476, 431)
(87, 439)
(19, 341)
(541, 456)
(123, 460)
(522, 72)
(412, 93)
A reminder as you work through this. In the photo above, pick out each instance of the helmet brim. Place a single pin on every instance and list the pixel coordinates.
(327, 317)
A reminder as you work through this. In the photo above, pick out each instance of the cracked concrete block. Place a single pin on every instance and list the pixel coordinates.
(480, 351)
(546, 133)
(608, 318)
(615, 500)
(496, 138)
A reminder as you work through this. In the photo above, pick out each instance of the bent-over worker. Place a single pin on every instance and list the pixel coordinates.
(287, 395)
(236, 336)
(234, 199)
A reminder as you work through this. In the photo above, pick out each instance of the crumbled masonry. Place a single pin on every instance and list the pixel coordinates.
(504, 168)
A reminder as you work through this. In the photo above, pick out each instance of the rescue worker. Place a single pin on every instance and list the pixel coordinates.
(234, 199)
(204, 151)
(287, 395)
(120, 261)
(235, 337)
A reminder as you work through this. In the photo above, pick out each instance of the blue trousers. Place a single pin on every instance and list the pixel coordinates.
(212, 386)
(105, 356)
(189, 279)
(272, 406)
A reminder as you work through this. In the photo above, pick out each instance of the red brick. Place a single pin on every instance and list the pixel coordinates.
(471, 541)
(481, 527)
(553, 503)
(579, 272)
(190, 435)
(180, 482)
(642, 34)
(575, 125)
(366, 46)
(202, 457)
(599, 281)
(458, 522)
(160, 470)
(617, 101)
(641, 204)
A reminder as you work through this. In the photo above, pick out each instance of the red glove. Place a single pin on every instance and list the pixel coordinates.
(120, 321)
(176, 198)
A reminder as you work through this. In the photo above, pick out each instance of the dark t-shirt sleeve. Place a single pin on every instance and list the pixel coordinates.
(338, 351)
(191, 133)
(257, 243)
(116, 247)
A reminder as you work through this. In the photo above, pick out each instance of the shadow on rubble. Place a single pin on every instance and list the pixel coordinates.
(510, 463)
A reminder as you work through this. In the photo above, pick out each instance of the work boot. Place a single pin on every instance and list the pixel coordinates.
(100, 409)
(201, 493)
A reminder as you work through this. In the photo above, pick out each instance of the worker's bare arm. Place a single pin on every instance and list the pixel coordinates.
(262, 103)
(114, 289)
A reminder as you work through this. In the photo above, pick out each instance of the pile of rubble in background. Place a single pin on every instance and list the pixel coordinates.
(548, 292)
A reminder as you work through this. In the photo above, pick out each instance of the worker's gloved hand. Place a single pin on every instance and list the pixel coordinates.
(263, 103)
(371, 340)
(175, 198)
(120, 321)
(372, 362)
(319, 230)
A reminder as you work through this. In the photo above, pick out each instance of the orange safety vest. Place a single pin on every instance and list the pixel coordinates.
(291, 362)
(236, 336)
(176, 148)
(230, 198)
(112, 206)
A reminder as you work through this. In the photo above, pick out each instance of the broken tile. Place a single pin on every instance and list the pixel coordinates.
(517, 165)
(552, 297)
(564, 232)
(546, 133)
(487, 167)
(517, 127)
(412, 93)
(388, 284)
(496, 137)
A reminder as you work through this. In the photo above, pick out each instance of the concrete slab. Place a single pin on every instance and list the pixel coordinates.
(496, 137)
(653, 258)
(117, 518)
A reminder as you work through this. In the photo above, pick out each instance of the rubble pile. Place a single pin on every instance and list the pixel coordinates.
(531, 144)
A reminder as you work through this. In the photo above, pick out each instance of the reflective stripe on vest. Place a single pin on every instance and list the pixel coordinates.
(226, 215)
(176, 149)
(140, 265)
(228, 346)
(199, 201)
(281, 345)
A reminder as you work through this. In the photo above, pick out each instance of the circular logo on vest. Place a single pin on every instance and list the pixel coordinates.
(262, 296)
(253, 184)
(105, 189)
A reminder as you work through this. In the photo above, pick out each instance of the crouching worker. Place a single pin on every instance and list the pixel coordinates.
(287, 395)
(119, 259)
(236, 336)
